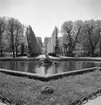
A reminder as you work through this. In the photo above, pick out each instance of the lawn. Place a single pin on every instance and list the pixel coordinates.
(63, 91)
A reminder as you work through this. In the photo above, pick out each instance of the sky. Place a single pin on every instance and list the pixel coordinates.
(44, 15)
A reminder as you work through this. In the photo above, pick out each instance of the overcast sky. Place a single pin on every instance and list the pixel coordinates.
(44, 15)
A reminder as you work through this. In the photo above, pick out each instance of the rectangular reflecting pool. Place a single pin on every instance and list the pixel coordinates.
(56, 67)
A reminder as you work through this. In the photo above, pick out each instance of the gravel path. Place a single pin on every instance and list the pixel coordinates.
(96, 101)
(2, 103)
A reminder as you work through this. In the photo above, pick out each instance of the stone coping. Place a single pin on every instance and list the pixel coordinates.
(19, 59)
(61, 58)
(48, 78)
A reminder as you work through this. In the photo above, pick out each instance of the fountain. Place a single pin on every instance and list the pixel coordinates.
(46, 61)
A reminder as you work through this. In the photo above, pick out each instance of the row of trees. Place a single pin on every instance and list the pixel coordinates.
(11, 36)
(83, 34)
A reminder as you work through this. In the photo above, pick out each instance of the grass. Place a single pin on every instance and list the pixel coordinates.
(24, 90)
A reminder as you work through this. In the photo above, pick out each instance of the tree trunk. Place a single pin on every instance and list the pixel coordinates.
(13, 47)
(16, 48)
(66, 51)
(92, 51)
(70, 52)
(1, 50)
(100, 50)
(13, 53)
(1, 53)
(22, 49)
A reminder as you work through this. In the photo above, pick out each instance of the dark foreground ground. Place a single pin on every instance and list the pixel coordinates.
(23, 90)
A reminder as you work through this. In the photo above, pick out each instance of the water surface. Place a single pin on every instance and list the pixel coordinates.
(57, 67)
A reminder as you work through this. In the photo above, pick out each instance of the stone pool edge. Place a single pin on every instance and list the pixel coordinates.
(61, 58)
(19, 59)
(48, 78)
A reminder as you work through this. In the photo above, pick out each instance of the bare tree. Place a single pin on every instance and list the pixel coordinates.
(2, 29)
(72, 30)
(15, 30)
(98, 27)
(18, 36)
(12, 30)
(91, 30)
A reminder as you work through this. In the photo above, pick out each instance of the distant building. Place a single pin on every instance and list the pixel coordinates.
(46, 41)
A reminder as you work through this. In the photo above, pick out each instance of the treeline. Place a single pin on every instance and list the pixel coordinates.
(77, 37)
(80, 37)
(12, 38)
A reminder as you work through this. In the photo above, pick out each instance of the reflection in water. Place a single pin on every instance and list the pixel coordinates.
(57, 67)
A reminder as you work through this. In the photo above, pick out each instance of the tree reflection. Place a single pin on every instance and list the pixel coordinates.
(56, 67)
